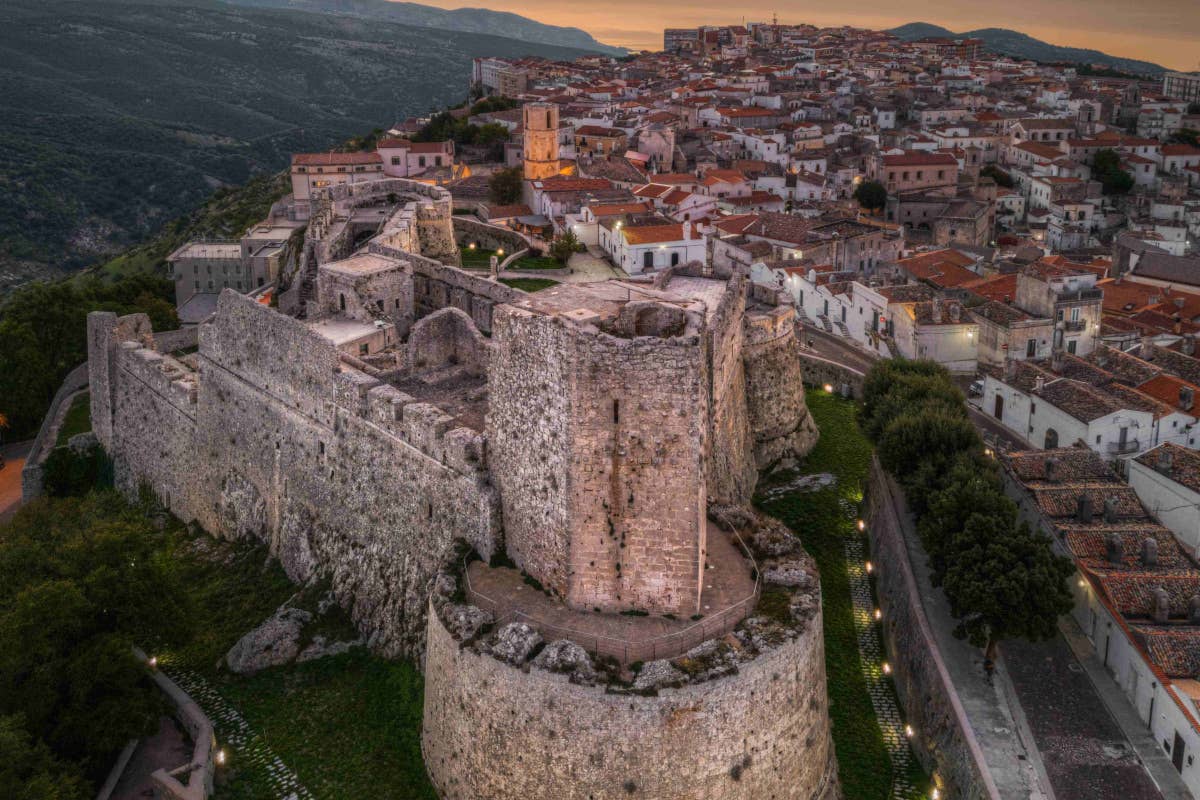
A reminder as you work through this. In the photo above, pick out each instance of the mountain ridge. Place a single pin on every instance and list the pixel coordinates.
(1015, 43)
(467, 20)
(123, 114)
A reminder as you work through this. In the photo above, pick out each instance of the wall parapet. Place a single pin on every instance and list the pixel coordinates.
(33, 473)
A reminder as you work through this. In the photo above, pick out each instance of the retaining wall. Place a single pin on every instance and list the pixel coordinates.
(33, 473)
(820, 371)
(945, 742)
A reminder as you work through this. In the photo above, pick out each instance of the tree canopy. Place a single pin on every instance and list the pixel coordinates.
(80, 580)
(1106, 168)
(1000, 578)
(871, 195)
(43, 335)
(504, 187)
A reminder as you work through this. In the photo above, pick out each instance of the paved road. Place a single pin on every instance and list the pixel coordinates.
(10, 477)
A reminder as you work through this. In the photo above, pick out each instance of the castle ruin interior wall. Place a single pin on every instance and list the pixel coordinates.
(731, 472)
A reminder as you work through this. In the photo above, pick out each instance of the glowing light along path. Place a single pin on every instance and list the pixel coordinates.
(870, 651)
(235, 734)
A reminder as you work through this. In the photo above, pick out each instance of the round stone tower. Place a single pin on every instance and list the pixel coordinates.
(540, 121)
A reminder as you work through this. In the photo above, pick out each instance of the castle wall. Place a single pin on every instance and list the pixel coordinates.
(278, 440)
(495, 731)
(731, 471)
(595, 444)
(778, 414)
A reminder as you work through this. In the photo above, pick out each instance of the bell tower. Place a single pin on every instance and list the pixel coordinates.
(540, 121)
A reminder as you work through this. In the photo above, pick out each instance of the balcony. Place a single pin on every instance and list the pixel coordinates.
(1074, 325)
(1125, 448)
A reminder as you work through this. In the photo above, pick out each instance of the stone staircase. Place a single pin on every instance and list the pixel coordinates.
(825, 323)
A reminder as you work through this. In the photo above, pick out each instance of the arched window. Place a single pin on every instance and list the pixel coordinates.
(342, 302)
(1051, 439)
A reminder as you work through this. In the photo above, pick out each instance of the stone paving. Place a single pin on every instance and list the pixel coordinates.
(236, 734)
(870, 649)
(727, 597)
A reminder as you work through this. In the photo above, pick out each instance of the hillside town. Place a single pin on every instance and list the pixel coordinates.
(1032, 228)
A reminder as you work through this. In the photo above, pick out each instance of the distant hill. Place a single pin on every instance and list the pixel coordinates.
(119, 115)
(471, 20)
(1020, 45)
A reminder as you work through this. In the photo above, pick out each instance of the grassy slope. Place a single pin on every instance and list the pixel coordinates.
(823, 520)
(347, 725)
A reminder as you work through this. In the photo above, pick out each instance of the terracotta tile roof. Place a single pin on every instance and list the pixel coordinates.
(1183, 467)
(942, 268)
(652, 234)
(1000, 288)
(1176, 650)
(917, 158)
(335, 159)
(1133, 592)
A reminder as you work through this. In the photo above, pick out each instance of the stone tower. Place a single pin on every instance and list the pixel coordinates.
(540, 121)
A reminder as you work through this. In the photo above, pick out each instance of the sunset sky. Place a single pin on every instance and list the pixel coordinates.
(1166, 32)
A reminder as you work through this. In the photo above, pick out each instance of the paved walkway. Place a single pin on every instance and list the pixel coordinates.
(870, 651)
(589, 266)
(247, 744)
(167, 749)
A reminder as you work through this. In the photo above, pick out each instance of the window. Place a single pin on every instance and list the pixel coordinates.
(342, 302)
(364, 349)
(395, 161)
(1071, 344)
(1075, 314)
(674, 259)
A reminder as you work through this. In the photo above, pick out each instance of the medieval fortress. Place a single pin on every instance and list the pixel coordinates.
(543, 498)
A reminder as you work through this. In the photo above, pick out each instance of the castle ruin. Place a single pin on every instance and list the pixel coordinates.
(438, 444)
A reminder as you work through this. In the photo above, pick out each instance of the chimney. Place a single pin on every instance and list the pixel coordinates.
(1114, 550)
(1163, 462)
(1150, 552)
(1187, 397)
(1162, 605)
(1146, 352)
(687, 230)
(936, 312)
(1083, 509)
(1010, 370)
(1051, 469)
(1188, 345)
(1194, 610)
(1110, 509)
(1039, 383)
(1056, 360)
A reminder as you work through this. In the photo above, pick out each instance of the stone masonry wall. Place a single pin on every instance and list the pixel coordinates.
(638, 424)
(498, 732)
(594, 448)
(821, 372)
(278, 440)
(779, 416)
(731, 470)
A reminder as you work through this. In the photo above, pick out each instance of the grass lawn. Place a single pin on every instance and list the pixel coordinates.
(536, 262)
(78, 419)
(348, 726)
(823, 520)
(529, 284)
(479, 258)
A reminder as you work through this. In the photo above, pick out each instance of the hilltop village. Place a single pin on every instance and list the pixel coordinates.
(509, 376)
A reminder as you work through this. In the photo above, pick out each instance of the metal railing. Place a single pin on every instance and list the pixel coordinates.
(1123, 448)
(627, 651)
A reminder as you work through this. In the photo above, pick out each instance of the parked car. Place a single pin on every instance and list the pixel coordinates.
(976, 389)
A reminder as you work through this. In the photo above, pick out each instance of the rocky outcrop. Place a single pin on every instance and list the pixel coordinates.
(272, 644)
